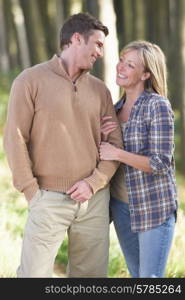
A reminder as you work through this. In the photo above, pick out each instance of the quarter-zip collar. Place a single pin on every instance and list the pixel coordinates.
(56, 65)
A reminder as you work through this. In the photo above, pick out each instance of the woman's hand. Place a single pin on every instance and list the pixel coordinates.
(108, 152)
(107, 127)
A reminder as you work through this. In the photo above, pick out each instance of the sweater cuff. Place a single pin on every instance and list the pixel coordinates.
(30, 191)
(97, 181)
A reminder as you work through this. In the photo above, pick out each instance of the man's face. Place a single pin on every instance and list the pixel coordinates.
(89, 51)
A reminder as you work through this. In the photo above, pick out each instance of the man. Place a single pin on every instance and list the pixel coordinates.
(52, 138)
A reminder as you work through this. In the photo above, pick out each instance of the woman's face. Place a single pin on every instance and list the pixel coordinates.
(130, 71)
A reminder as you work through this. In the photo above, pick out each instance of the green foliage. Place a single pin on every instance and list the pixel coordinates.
(177, 140)
(5, 85)
(62, 256)
(117, 264)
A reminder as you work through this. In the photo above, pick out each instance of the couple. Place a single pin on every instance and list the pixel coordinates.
(57, 116)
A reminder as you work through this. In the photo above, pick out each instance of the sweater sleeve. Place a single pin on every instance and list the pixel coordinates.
(106, 169)
(16, 138)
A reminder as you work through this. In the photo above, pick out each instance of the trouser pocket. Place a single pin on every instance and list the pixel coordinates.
(35, 198)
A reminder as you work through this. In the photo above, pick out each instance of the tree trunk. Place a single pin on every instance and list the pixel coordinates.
(22, 39)
(162, 24)
(4, 59)
(152, 19)
(75, 6)
(48, 14)
(13, 51)
(107, 16)
(138, 19)
(92, 7)
(128, 21)
(35, 31)
(180, 49)
(60, 17)
(118, 7)
(174, 45)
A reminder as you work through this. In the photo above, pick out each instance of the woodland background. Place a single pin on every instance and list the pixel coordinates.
(29, 31)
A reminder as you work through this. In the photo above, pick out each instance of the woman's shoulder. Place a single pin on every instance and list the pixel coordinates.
(155, 100)
(118, 105)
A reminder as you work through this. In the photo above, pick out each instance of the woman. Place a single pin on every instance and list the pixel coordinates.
(144, 216)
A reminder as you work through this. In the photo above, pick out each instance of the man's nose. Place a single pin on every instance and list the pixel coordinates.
(100, 52)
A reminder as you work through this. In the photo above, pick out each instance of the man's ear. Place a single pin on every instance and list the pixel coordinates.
(76, 38)
(145, 76)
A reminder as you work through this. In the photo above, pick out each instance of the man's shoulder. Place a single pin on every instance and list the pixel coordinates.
(97, 81)
(33, 72)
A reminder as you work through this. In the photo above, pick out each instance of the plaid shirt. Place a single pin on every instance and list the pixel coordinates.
(150, 132)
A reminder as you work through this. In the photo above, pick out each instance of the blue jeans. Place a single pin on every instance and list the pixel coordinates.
(146, 253)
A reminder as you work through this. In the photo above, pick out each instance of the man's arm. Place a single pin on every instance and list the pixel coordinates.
(101, 175)
(16, 136)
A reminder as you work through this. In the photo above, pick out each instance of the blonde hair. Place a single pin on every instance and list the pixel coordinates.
(154, 62)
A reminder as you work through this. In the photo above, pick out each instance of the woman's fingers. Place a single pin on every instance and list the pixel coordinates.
(105, 118)
(109, 125)
(108, 128)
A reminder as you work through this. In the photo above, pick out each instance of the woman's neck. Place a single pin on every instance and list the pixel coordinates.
(133, 94)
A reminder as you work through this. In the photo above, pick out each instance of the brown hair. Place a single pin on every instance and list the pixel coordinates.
(82, 23)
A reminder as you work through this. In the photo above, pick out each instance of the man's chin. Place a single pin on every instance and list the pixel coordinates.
(91, 65)
(88, 67)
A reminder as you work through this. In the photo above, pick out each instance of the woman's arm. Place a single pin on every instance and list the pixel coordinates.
(107, 127)
(161, 143)
(110, 152)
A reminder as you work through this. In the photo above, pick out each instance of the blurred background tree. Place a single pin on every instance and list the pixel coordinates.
(29, 34)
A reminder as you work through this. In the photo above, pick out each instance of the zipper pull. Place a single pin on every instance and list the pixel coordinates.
(74, 85)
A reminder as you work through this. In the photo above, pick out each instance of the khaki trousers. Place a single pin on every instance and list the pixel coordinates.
(51, 215)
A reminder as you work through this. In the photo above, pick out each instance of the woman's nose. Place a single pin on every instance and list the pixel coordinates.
(120, 66)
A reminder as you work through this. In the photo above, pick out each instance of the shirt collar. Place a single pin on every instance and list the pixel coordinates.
(120, 103)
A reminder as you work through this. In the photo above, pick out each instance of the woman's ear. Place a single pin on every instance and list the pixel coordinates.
(145, 76)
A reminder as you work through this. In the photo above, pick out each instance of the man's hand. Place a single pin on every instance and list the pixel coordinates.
(80, 191)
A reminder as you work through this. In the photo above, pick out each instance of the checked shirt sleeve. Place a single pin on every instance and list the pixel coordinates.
(161, 136)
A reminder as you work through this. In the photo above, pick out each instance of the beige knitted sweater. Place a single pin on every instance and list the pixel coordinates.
(52, 133)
